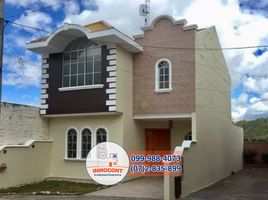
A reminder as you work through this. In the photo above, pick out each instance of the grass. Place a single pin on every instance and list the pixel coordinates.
(53, 188)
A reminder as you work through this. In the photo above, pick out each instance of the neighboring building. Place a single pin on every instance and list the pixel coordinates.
(147, 93)
(20, 123)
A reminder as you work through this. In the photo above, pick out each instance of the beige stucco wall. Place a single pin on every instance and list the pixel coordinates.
(25, 164)
(218, 150)
(19, 123)
(182, 98)
(133, 135)
(179, 131)
(60, 167)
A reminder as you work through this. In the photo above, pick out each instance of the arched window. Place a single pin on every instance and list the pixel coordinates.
(163, 75)
(81, 63)
(71, 143)
(85, 142)
(101, 135)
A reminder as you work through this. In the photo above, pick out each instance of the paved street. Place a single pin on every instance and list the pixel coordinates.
(245, 185)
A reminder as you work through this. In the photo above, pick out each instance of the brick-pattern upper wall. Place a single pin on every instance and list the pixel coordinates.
(182, 98)
(20, 123)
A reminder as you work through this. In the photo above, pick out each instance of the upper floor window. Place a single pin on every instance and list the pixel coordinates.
(71, 143)
(81, 63)
(101, 135)
(163, 75)
(86, 142)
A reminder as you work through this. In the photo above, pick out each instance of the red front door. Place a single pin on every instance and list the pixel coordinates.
(157, 140)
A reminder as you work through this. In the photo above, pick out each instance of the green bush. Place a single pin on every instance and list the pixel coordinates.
(264, 157)
(249, 156)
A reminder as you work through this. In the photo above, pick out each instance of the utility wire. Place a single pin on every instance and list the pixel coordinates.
(160, 47)
(26, 26)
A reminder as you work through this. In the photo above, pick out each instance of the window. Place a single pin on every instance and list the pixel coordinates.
(81, 63)
(163, 75)
(101, 135)
(85, 142)
(79, 143)
(72, 143)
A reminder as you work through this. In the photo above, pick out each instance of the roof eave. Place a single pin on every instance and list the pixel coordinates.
(112, 36)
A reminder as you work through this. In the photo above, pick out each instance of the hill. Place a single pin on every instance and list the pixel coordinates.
(255, 130)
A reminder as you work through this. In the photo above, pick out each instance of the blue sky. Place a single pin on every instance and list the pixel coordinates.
(238, 22)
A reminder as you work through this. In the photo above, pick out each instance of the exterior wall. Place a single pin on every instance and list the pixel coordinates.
(20, 167)
(218, 150)
(20, 123)
(64, 168)
(44, 85)
(133, 136)
(111, 79)
(259, 147)
(179, 131)
(81, 101)
(182, 98)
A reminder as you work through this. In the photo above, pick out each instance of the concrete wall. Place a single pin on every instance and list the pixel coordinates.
(67, 168)
(218, 150)
(179, 131)
(260, 147)
(182, 97)
(25, 164)
(20, 123)
(133, 130)
(133, 135)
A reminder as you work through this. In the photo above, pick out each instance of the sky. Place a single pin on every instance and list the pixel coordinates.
(239, 23)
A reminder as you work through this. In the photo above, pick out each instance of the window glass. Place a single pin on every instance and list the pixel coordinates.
(71, 143)
(73, 80)
(74, 68)
(101, 135)
(81, 79)
(85, 142)
(66, 80)
(163, 74)
(81, 63)
(89, 79)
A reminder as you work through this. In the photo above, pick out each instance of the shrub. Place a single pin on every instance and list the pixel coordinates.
(249, 156)
(264, 157)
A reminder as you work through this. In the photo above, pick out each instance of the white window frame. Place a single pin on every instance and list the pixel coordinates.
(163, 90)
(85, 86)
(92, 141)
(107, 134)
(79, 141)
(77, 144)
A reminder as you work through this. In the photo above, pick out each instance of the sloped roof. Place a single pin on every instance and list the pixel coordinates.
(99, 31)
(92, 27)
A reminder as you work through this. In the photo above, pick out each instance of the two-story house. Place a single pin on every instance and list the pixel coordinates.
(154, 92)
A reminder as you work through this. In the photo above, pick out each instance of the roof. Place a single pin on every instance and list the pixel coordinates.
(92, 27)
(99, 31)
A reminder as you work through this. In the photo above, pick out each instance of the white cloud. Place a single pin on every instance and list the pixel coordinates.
(235, 28)
(254, 99)
(239, 113)
(33, 4)
(71, 7)
(258, 85)
(122, 14)
(21, 72)
(38, 20)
